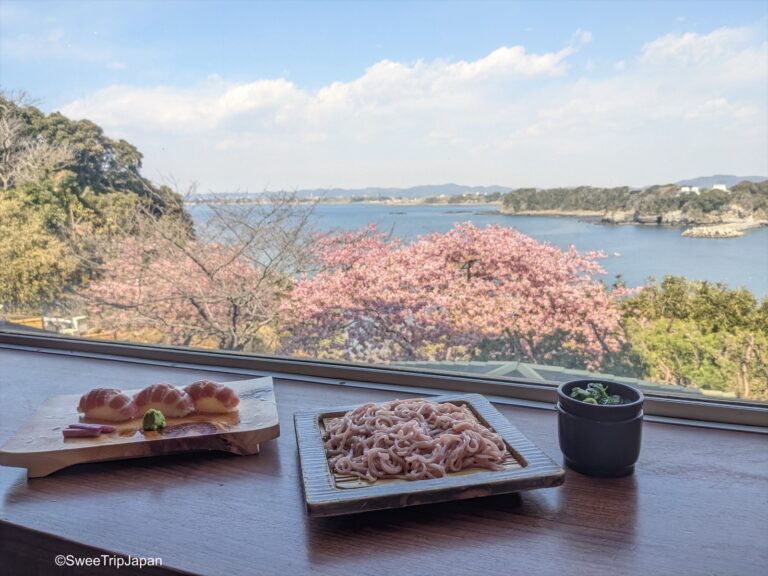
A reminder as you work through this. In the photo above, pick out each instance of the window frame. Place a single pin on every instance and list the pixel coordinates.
(704, 411)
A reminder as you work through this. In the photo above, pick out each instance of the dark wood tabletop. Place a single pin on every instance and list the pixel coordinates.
(697, 504)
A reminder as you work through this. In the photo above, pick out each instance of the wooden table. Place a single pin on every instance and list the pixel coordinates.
(698, 503)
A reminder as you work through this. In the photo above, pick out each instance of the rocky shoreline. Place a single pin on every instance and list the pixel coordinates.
(727, 225)
(555, 213)
(733, 230)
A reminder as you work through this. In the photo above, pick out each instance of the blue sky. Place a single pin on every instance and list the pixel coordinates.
(250, 95)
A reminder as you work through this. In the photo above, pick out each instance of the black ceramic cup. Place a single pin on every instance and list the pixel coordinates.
(600, 440)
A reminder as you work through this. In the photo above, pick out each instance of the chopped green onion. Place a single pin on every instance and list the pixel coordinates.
(595, 393)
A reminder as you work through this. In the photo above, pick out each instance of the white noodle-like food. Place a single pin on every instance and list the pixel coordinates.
(410, 439)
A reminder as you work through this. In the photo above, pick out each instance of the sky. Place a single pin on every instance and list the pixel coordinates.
(252, 96)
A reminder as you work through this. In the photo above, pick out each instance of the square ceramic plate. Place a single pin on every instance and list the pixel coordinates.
(330, 494)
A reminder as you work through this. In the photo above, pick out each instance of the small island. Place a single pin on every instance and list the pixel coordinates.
(733, 230)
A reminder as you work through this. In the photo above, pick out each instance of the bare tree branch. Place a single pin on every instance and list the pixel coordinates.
(225, 285)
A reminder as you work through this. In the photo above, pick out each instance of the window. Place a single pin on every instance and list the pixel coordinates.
(587, 235)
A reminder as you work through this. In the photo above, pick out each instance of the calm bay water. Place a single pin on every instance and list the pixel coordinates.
(644, 251)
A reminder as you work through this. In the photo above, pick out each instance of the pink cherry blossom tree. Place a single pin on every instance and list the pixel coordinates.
(489, 293)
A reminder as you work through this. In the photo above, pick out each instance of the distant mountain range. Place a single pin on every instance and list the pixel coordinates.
(372, 193)
(412, 192)
(727, 179)
(426, 191)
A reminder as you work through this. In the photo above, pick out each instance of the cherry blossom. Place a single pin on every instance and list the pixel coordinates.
(489, 293)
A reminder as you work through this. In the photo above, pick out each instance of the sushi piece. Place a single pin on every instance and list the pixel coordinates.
(169, 400)
(212, 398)
(108, 404)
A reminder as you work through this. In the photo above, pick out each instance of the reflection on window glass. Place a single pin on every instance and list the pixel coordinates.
(606, 247)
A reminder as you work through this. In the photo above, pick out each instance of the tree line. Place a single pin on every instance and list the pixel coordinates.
(744, 200)
(67, 189)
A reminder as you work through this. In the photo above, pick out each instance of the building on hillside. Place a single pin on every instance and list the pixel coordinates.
(74, 326)
(722, 187)
(692, 189)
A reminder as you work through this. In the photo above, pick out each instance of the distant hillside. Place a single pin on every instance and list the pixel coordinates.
(727, 179)
(742, 203)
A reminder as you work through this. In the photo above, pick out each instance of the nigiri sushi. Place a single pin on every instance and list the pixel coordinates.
(108, 404)
(212, 398)
(169, 400)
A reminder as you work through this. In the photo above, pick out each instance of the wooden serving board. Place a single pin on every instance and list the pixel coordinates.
(328, 493)
(40, 447)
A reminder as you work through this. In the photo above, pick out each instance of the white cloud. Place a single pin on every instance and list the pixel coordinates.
(724, 55)
(384, 88)
(687, 103)
(692, 48)
(721, 108)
